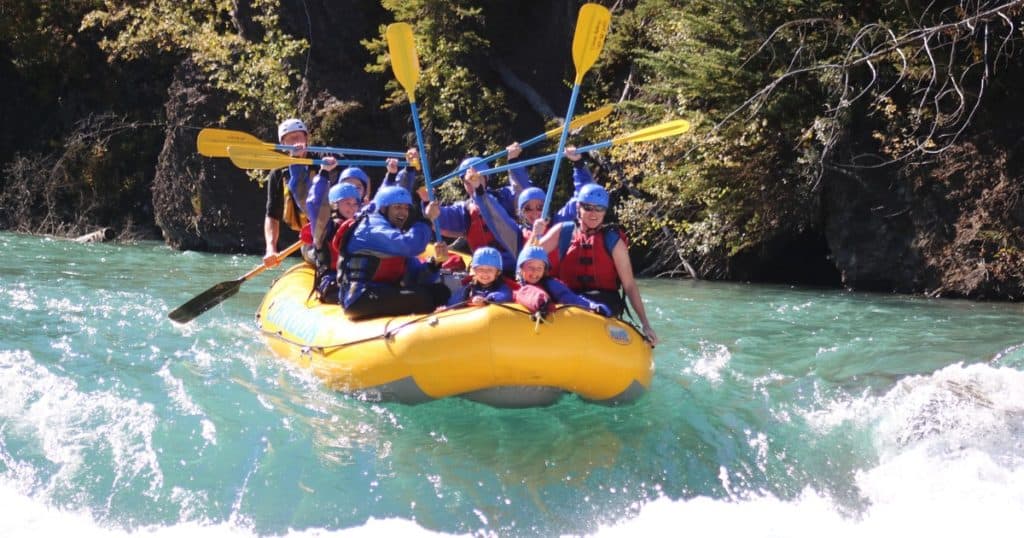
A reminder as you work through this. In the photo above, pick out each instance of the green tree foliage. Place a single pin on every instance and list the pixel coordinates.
(461, 114)
(252, 59)
(75, 119)
(732, 190)
(782, 95)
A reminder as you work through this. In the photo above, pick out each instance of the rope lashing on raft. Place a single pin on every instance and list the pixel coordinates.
(389, 333)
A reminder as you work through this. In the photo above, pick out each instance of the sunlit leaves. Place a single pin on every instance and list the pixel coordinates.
(259, 73)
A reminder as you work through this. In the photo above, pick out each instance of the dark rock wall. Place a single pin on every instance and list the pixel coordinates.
(951, 228)
(202, 203)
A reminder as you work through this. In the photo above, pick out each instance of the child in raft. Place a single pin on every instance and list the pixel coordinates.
(487, 285)
(539, 292)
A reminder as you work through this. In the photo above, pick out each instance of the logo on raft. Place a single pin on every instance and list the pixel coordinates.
(295, 319)
(618, 334)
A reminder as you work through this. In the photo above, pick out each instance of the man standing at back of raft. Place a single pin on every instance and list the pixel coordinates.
(288, 187)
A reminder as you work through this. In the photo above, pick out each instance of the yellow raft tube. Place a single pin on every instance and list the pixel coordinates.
(494, 354)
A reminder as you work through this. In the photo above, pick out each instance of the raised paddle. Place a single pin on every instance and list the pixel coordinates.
(591, 29)
(406, 66)
(213, 142)
(577, 124)
(654, 132)
(258, 158)
(218, 293)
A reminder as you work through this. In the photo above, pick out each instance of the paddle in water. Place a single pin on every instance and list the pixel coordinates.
(221, 292)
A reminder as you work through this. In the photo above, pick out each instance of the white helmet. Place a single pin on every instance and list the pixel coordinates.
(290, 126)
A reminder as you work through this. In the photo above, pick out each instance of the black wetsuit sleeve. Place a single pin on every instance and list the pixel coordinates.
(275, 195)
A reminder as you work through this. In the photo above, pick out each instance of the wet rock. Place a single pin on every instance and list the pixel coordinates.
(202, 203)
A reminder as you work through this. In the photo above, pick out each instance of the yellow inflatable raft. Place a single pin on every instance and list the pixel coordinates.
(494, 354)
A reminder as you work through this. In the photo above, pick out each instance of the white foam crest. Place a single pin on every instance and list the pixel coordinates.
(712, 359)
(957, 405)
(955, 409)
(67, 422)
(950, 449)
(909, 511)
(1010, 355)
(26, 517)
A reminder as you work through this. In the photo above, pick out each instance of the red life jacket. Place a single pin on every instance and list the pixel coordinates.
(335, 243)
(478, 234)
(306, 234)
(388, 270)
(587, 258)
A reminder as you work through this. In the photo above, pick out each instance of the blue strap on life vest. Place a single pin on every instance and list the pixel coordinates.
(565, 233)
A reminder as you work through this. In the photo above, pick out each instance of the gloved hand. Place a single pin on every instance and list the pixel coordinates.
(602, 309)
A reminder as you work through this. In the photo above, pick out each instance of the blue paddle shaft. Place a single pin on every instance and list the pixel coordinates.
(359, 162)
(348, 151)
(542, 159)
(561, 148)
(490, 158)
(423, 162)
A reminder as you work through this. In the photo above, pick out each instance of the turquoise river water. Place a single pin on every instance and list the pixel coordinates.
(774, 411)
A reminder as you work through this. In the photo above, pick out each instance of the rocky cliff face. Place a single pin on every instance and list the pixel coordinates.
(951, 228)
(202, 203)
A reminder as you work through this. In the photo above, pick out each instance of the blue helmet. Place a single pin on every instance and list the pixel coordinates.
(391, 195)
(533, 252)
(593, 194)
(532, 193)
(357, 173)
(488, 256)
(341, 191)
(475, 163)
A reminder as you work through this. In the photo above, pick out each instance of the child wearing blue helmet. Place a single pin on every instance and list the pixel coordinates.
(343, 201)
(486, 285)
(356, 177)
(538, 291)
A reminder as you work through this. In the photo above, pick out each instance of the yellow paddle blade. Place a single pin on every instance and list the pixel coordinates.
(591, 29)
(257, 158)
(654, 132)
(213, 142)
(404, 62)
(582, 121)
